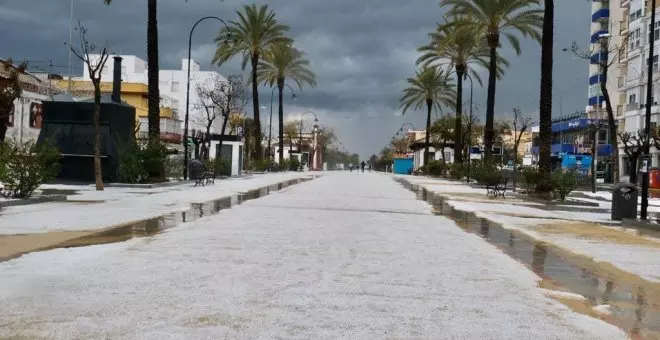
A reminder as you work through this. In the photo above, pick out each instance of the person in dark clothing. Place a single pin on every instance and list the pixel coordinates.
(362, 165)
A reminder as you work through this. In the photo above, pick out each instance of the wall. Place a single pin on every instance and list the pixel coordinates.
(26, 126)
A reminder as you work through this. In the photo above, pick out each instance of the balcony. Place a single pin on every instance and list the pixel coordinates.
(601, 15)
(598, 58)
(598, 35)
(170, 130)
(596, 79)
(596, 100)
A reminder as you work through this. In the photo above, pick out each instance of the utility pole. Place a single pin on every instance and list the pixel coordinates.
(70, 86)
(646, 158)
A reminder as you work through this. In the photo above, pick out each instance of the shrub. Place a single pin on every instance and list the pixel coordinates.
(131, 165)
(486, 173)
(456, 171)
(153, 160)
(261, 165)
(563, 183)
(436, 168)
(294, 164)
(531, 177)
(223, 167)
(174, 167)
(26, 165)
(209, 164)
(284, 166)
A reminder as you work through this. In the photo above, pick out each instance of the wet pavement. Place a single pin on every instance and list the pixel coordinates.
(634, 303)
(345, 256)
(143, 228)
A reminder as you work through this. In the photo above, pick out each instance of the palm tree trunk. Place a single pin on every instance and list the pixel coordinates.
(458, 136)
(429, 105)
(280, 114)
(257, 152)
(152, 65)
(98, 174)
(490, 103)
(545, 110)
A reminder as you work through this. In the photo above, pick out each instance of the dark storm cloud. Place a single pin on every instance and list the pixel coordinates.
(361, 51)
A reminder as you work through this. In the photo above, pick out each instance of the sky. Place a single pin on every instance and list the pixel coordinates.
(362, 51)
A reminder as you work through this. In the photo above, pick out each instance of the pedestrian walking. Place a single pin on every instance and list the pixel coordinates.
(362, 165)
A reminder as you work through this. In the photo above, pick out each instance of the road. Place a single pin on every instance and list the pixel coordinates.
(346, 256)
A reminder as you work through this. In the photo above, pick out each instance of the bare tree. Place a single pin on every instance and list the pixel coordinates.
(633, 146)
(613, 51)
(400, 145)
(595, 126)
(520, 124)
(94, 66)
(219, 98)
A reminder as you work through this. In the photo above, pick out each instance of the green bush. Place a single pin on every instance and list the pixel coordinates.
(563, 183)
(174, 167)
(261, 165)
(209, 164)
(223, 167)
(486, 173)
(531, 177)
(26, 165)
(284, 166)
(140, 162)
(456, 171)
(294, 164)
(436, 168)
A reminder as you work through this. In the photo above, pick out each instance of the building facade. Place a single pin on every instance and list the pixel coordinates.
(634, 57)
(24, 122)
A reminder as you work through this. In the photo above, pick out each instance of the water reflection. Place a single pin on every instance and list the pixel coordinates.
(629, 305)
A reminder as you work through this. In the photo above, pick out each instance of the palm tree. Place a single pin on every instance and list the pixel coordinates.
(153, 96)
(251, 36)
(431, 87)
(545, 103)
(280, 62)
(496, 18)
(457, 44)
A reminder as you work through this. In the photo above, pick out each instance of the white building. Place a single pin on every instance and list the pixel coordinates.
(632, 81)
(26, 120)
(173, 84)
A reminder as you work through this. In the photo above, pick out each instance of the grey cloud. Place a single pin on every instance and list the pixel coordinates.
(362, 51)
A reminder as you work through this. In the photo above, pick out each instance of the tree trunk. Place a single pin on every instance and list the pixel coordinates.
(493, 43)
(207, 141)
(429, 106)
(458, 136)
(218, 158)
(515, 160)
(98, 174)
(545, 110)
(594, 145)
(280, 115)
(633, 167)
(611, 127)
(152, 72)
(257, 152)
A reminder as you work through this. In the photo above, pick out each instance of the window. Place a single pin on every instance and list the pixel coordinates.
(602, 137)
(655, 62)
(656, 31)
(175, 86)
(10, 118)
(634, 39)
(124, 70)
(632, 99)
(636, 15)
(448, 156)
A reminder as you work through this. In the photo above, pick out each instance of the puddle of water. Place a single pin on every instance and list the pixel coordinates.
(153, 226)
(634, 302)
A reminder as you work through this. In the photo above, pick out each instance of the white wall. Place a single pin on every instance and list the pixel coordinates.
(21, 128)
(134, 69)
(173, 84)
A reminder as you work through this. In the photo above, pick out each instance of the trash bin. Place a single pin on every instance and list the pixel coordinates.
(624, 201)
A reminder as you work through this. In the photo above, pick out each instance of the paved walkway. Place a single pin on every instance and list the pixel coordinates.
(346, 256)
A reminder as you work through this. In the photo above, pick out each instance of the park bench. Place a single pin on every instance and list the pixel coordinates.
(200, 174)
(497, 188)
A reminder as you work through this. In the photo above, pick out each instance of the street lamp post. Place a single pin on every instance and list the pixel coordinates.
(270, 126)
(469, 153)
(647, 127)
(185, 124)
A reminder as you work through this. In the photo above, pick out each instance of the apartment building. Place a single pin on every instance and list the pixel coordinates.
(634, 28)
